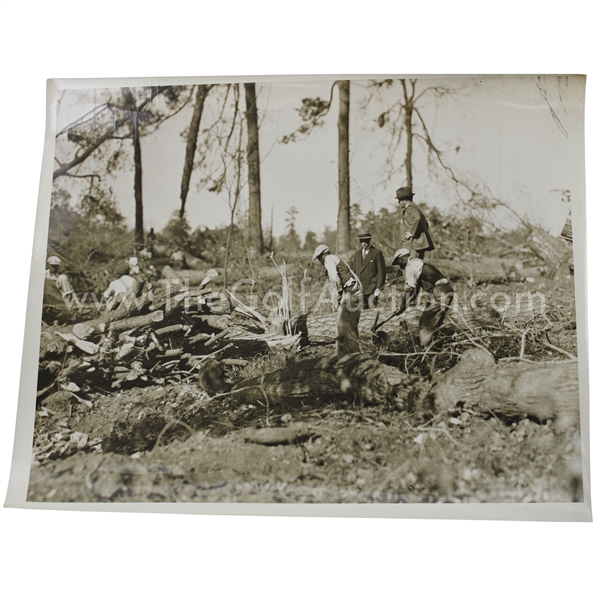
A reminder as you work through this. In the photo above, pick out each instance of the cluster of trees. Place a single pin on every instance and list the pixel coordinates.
(226, 154)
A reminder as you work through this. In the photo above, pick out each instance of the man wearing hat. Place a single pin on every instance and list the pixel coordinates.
(369, 265)
(348, 296)
(414, 227)
(60, 279)
(421, 275)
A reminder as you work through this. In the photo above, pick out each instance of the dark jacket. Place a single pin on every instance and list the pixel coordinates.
(371, 270)
(414, 222)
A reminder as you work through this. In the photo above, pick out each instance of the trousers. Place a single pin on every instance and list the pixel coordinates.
(434, 312)
(348, 318)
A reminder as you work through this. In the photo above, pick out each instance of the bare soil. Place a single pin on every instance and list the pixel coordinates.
(171, 442)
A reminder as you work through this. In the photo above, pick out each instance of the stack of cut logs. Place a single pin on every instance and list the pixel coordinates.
(153, 335)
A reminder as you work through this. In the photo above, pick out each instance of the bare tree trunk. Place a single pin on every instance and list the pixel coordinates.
(139, 205)
(256, 240)
(137, 182)
(343, 224)
(192, 142)
(408, 107)
(238, 166)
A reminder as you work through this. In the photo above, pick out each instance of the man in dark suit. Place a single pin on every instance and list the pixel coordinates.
(414, 227)
(369, 265)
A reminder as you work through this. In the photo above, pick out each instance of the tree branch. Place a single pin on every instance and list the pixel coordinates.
(79, 158)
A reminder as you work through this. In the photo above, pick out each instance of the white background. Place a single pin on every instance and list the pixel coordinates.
(62, 554)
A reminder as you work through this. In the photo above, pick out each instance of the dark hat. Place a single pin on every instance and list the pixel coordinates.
(365, 235)
(404, 193)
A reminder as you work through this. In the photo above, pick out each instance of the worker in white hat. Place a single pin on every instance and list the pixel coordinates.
(348, 292)
(422, 276)
(60, 279)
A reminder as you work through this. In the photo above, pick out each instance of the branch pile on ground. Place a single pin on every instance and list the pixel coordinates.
(152, 336)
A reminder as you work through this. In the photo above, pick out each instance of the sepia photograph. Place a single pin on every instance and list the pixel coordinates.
(359, 290)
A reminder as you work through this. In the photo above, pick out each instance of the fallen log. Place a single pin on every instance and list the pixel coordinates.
(487, 269)
(296, 432)
(137, 321)
(322, 328)
(541, 391)
(554, 251)
(319, 381)
(174, 328)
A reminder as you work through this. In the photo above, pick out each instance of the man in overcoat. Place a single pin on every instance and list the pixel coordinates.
(369, 265)
(413, 224)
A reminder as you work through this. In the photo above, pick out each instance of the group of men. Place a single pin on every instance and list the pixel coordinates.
(359, 285)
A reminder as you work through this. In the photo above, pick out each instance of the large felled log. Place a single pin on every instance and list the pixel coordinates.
(318, 381)
(554, 251)
(322, 328)
(543, 391)
(483, 270)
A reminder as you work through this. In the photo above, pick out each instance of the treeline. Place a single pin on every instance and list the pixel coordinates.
(94, 242)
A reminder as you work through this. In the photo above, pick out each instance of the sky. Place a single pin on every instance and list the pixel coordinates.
(497, 130)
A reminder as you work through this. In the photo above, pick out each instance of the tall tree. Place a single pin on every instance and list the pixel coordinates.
(407, 129)
(409, 111)
(192, 142)
(95, 146)
(312, 112)
(134, 116)
(343, 214)
(255, 237)
(86, 137)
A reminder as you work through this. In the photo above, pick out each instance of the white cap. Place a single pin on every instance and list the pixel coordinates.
(321, 249)
(399, 253)
(54, 260)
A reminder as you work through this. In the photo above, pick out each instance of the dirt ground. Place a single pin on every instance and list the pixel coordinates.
(171, 442)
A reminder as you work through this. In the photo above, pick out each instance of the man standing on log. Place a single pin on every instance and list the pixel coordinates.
(348, 298)
(413, 225)
(439, 293)
(369, 265)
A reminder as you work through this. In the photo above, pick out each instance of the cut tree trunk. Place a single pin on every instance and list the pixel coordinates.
(136, 321)
(554, 251)
(319, 381)
(542, 391)
(322, 328)
(483, 270)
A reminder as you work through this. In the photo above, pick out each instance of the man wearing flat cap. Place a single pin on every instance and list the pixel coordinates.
(414, 227)
(438, 294)
(369, 265)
